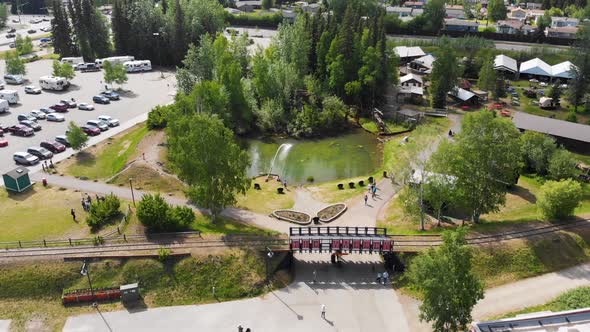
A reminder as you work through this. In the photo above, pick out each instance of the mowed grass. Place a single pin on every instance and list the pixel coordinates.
(328, 192)
(267, 199)
(41, 213)
(223, 225)
(32, 291)
(108, 158)
(577, 298)
(371, 126)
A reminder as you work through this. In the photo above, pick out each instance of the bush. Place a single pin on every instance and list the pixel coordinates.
(267, 21)
(158, 117)
(558, 200)
(103, 211)
(562, 165)
(310, 178)
(537, 150)
(159, 216)
(571, 117)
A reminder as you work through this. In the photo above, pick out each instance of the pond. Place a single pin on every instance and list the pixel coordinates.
(353, 154)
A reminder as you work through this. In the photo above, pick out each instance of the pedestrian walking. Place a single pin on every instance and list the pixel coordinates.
(374, 191)
(83, 204)
(366, 198)
(73, 213)
(51, 162)
(143, 155)
(379, 277)
(240, 328)
(285, 184)
(315, 275)
(323, 311)
(43, 166)
(385, 277)
(248, 330)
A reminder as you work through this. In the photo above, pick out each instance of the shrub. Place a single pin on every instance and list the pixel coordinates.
(163, 254)
(158, 117)
(159, 216)
(571, 117)
(537, 149)
(310, 179)
(103, 211)
(558, 200)
(562, 165)
(267, 21)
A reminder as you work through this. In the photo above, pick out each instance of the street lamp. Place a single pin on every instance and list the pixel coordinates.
(269, 254)
(131, 186)
(85, 272)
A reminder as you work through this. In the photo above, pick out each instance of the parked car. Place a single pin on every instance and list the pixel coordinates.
(40, 152)
(55, 117)
(22, 117)
(10, 35)
(31, 89)
(31, 31)
(109, 120)
(85, 107)
(63, 140)
(12, 45)
(12, 30)
(90, 130)
(46, 29)
(46, 110)
(25, 158)
(101, 100)
(103, 126)
(69, 103)
(53, 146)
(31, 124)
(13, 79)
(20, 130)
(89, 67)
(59, 108)
(111, 95)
(3, 143)
(38, 115)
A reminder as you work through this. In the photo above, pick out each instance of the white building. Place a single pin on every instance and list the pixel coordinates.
(505, 63)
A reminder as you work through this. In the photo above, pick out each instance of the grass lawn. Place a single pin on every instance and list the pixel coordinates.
(267, 199)
(328, 192)
(108, 158)
(577, 298)
(371, 126)
(146, 178)
(31, 292)
(224, 225)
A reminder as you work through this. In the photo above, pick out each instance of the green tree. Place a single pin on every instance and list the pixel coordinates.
(114, 73)
(103, 212)
(555, 93)
(496, 10)
(578, 85)
(61, 34)
(3, 14)
(437, 192)
(487, 76)
(90, 27)
(63, 70)
(558, 200)
(23, 45)
(445, 278)
(158, 216)
(537, 149)
(158, 116)
(14, 64)
(444, 76)
(204, 152)
(485, 159)
(434, 13)
(266, 4)
(76, 136)
(562, 165)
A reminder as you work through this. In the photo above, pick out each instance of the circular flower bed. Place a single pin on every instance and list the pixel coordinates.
(331, 212)
(293, 216)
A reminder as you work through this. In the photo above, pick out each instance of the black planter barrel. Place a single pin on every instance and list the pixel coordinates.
(281, 190)
(384, 174)
(351, 185)
(371, 179)
(257, 186)
(361, 183)
(340, 186)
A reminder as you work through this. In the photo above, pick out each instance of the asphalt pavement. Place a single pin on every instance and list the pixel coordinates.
(22, 28)
(142, 92)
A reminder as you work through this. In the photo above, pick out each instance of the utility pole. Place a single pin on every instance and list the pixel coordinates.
(86, 272)
(132, 194)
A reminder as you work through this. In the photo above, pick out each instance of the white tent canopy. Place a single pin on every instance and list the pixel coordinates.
(409, 52)
(502, 62)
(562, 70)
(537, 67)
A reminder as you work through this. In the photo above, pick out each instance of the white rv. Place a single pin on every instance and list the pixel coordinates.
(138, 66)
(72, 60)
(114, 60)
(3, 106)
(10, 96)
(53, 83)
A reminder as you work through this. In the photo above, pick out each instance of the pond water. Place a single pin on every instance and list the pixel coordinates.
(353, 154)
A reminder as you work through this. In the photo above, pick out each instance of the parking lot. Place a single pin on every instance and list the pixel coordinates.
(143, 91)
(23, 27)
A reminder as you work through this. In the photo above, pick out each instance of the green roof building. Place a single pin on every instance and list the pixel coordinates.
(17, 180)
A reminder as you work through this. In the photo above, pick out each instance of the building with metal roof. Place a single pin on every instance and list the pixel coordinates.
(562, 70)
(505, 63)
(536, 67)
(546, 321)
(575, 136)
(407, 54)
(17, 180)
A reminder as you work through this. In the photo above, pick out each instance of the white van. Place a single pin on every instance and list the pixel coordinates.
(138, 66)
(72, 60)
(10, 96)
(114, 60)
(53, 83)
(4, 106)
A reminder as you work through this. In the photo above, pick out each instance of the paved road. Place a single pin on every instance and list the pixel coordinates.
(354, 302)
(145, 90)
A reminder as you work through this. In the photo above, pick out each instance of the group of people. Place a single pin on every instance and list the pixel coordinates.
(86, 202)
(382, 277)
(47, 165)
(372, 190)
(241, 329)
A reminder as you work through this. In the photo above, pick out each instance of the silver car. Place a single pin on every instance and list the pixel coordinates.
(25, 158)
(38, 115)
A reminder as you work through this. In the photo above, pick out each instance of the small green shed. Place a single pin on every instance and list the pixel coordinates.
(17, 180)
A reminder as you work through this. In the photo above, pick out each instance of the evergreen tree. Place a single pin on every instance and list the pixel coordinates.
(444, 75)
(487, 76)
(179, 46)
(92, 34)
(581, 69)
(121, 26)
(61, 31)
(496, 10)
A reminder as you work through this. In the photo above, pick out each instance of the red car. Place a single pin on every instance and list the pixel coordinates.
(91, 130)
(53, 146)
(3, 143)
(20, 130)
(59, 108)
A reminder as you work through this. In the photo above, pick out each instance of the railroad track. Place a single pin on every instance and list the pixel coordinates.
(402, 243)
